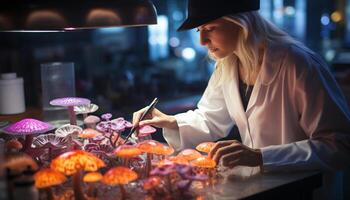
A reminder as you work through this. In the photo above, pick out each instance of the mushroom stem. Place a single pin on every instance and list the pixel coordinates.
(85, 115)
(92, 192)
(116, 140)
(126, 162)
(49, 194)
(72, 117)
(168, 183)
(122, 190)
(78, 194)
(148, 164)
(28, 142)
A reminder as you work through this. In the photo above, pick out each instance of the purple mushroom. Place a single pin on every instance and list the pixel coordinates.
(28, 127)
(70, 102)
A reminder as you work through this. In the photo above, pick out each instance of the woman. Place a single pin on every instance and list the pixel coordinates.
(289, 110)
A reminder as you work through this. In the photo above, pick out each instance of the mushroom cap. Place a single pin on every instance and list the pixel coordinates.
(85, 109)
(189, 154)
(71, 162)
(67, 129)
(18, 163)
(122, 121)
(155, 147)
(91, 119)
(146, 130)
(205, 146)
(88, 133)
(92, 177)
(173, 159)
(70, 101)
(204, 162)
(106, 116)
(51, 138)
(151, 182)
(119, 176)
(14, 144)
(127, 151)
(28, 127)
(48, 177)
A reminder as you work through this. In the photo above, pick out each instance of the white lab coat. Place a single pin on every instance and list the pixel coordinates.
(296, 114)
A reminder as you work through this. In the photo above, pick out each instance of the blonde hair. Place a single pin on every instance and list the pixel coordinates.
(255, 31)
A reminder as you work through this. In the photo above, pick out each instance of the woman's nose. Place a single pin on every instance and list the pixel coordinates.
(203, 38)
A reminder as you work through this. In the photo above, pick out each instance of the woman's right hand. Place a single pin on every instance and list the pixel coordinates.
(155, 118)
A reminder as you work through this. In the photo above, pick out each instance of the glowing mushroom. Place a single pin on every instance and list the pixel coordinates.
(88, 133)
(18, 163)
(151, 183)
(126, 152)
(189, 154)
(52, 142)
(173, 159)
(13, 145)
(150, 147)
(119, 176)
(205, 147)
(67, 130)
(85, 109)
(46, 178)
(72, 163)
(92, 178)
(91, 121)
(28, 127)
(204, 162)
(70, 102)
(145, 132)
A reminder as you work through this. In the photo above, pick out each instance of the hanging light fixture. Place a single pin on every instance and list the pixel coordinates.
(66, 15)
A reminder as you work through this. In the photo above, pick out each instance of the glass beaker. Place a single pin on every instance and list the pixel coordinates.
(57, 81)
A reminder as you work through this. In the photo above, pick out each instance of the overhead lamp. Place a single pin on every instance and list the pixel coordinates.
(64, 15)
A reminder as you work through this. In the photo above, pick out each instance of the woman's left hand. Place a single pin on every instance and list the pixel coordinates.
(234, 153)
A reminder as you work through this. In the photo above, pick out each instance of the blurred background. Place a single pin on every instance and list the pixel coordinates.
(123, 69)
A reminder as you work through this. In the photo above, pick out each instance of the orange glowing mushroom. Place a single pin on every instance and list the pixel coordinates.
(189, 154)
(119, 176)
(88, 133)
(150, 147)
(205, 147)
(151, 182)
(73, 162)
(92, 177)
(173, 159)
(46, 178)
(165, 150)
(126, 152)
(204, 162)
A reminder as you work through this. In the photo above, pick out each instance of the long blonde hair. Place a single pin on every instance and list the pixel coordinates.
(255, 31)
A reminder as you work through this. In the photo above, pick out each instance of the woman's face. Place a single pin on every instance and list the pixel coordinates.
(220, 37)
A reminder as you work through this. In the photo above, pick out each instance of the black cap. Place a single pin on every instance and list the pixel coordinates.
(200, 12)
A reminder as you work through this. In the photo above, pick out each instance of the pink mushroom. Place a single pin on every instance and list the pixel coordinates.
(70, 102)
(144, 133)
(28, 127)
(91, 121)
